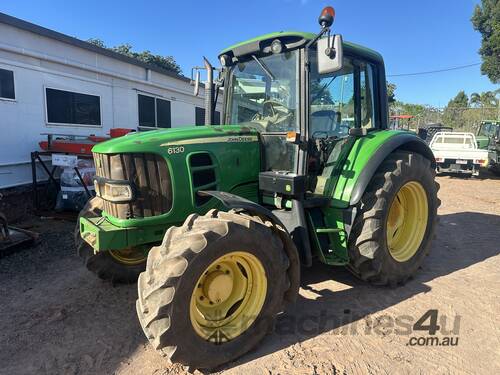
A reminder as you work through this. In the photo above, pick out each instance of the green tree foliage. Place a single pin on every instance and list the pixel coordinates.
(96, 42)
(164, 62)
(484, 99)
(461, 100)
(320, 93)
(452, 115)
(486, 20)
(391, 92)
(462, 114)
(422, 114)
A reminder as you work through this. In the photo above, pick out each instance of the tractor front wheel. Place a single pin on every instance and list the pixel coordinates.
(120, 266)
(396, 220)
(212, 289)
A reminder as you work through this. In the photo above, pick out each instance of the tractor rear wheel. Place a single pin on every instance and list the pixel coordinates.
(120, 266)
(395, 223)
(212, 289)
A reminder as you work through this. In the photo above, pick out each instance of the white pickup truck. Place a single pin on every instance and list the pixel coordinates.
(457, 152)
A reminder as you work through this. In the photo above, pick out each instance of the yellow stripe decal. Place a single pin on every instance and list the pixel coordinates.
(228, 139)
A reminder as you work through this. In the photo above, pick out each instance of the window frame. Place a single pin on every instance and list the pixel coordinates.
(48, 123)
(196, 108)
(228, 94)
(203, 122)
(357, 61)
(155, 98)
(14, 83)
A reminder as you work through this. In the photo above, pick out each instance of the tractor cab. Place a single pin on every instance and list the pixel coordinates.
(488, 138)
(309, 97)
(488, 133)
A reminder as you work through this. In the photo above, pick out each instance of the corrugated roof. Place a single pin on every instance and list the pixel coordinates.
(31, 27)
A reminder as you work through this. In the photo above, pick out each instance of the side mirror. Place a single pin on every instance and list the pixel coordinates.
(330, 54)
(197, 83)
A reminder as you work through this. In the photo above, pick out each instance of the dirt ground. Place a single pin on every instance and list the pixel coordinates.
(57, 318)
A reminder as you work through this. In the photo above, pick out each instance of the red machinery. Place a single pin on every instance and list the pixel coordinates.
(77, 144)
(396, 122)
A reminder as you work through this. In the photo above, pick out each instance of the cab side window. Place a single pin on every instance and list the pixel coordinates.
(367, 95)
(342, 100)
(332, 98)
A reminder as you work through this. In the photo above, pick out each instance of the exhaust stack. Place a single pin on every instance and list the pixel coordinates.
(209, 93)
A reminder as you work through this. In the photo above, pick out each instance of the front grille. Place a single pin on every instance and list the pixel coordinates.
(149, 176)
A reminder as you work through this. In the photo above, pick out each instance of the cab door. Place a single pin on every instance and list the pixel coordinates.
(339, 103)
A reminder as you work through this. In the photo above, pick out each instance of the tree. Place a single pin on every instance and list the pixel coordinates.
(96, 42)
(475, 99)
(320, 93)
(164, 62)
(488, 99)
(486, 20)
(484, 99)
(459, 101)
(391, 92)
(452, 115)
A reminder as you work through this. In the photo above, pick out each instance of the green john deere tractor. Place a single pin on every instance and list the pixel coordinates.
(488, 138)
(216, 221)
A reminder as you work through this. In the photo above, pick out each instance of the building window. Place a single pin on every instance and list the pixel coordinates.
(154, 112)
(200, 117)
(7, 84)
(72, 108)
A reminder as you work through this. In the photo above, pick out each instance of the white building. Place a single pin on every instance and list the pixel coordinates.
(54, 83)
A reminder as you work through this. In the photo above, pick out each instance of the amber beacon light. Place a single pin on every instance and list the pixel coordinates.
(326, 17)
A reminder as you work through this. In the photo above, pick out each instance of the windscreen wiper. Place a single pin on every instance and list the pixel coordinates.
(322, 89)
(264, 68)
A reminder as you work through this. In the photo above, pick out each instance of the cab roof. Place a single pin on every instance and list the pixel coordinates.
(255, 42)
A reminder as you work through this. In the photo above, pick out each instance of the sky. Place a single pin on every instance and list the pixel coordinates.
(413, 36)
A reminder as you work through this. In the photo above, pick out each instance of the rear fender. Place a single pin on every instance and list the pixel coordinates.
(366, 156)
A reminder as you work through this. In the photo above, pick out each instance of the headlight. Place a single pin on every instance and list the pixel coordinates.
(114, 191)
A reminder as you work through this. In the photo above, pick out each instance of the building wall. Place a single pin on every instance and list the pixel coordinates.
(39, 62)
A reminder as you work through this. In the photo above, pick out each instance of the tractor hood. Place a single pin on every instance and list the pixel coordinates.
(482, 142)
(156, 140)
(175, 164)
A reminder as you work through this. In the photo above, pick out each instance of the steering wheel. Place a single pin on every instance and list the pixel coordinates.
(269, 109)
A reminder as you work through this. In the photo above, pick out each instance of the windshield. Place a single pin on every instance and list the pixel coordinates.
(263, 93)
(488, 130)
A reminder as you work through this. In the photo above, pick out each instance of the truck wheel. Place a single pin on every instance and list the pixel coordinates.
(211, 291)
(395, 223)
(495, 168)
(120, 266)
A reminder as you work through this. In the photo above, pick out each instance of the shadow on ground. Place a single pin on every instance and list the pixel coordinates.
(61, 319)
(483, 175)
(456, 247)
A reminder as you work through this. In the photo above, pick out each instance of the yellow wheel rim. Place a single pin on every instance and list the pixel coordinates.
(228, 297)
(407, 221)
(129, 257)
